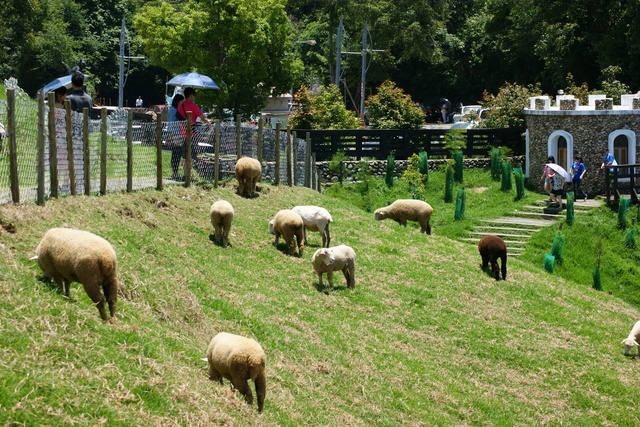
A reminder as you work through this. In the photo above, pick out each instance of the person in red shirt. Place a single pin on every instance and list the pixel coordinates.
(190, 105)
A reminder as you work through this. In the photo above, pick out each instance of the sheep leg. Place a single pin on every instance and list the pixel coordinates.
(320, 279)
(217, 233)
(277, 238)
(110, 290)
(214, 375)
(327, 236)
(504, 266)
(261, 389)
(330, 278)
(242, 385)
(254, 182)
(67, 287)
(349, 274)
(93, 291)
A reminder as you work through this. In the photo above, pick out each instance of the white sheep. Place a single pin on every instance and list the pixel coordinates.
(68, 255)
(404, 210)
(288, 224)
(328, 260)
(221, 214)
(633, 340)
(315, 218)
(248, 173)
(239, 360)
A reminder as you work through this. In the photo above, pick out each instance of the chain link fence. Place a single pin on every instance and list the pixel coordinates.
(92, 169)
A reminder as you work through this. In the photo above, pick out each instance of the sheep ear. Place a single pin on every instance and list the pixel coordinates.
(33, 258)
(205, 359)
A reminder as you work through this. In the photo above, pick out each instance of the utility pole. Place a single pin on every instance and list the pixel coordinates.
(121, 80)
(338, 52)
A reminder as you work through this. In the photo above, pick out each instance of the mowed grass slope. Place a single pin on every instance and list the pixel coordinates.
(426, 337)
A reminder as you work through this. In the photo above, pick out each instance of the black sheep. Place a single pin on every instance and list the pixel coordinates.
(491, 248)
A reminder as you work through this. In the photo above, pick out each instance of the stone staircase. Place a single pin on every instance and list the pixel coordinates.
(518, 228)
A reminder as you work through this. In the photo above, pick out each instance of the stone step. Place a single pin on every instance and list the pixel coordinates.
(533, 230)
(548, 215)
(508, 242)
(519, 221)
(480, 233)
(551, 210)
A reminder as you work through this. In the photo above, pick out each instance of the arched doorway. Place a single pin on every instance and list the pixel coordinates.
(560, 146)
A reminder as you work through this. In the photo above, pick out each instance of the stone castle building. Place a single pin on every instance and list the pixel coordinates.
(568, 129)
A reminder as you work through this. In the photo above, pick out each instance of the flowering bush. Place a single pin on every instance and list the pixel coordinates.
(391, 108)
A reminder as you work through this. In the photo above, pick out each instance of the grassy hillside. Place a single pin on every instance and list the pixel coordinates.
(426, 337)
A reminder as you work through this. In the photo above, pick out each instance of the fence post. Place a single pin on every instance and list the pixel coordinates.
(53, 147)
(288, 148)
(103, 152)
(294, 155)
(216, 153)
(277, 150)
(71, 161)
(188, 161)
(315, 182)
(307, 162)
(159, 152)
(86, 154)
(13, 151)
(259, 141)
(40, 151)
(238, 136)
(129, 151)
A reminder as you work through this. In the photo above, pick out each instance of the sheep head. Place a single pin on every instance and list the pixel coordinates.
(327, 256)
(271, 231)
(628, 344)
(380, 214)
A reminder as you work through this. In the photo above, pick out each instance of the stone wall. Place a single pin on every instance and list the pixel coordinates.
(379, 167)
(590, 133)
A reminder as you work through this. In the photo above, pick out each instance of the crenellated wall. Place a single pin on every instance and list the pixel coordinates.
(587, 130)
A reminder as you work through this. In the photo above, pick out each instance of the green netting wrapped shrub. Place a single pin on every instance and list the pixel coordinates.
(460, 201)
(549, 262)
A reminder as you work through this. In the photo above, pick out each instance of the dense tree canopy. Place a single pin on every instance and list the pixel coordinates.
(456, 49)
(245, 46)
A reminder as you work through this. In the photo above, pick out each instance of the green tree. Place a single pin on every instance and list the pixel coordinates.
(391, 108)
(323, 110)
(245, 46)
(506, 109)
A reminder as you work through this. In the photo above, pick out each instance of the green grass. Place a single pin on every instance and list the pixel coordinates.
(425, 338)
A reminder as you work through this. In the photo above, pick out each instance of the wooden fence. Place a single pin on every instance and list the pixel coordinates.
(621, 180)
(379, 144)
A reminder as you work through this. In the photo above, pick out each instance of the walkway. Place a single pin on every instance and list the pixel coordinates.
(517, 229)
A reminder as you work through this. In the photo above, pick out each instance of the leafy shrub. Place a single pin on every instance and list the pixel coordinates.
(391, 108)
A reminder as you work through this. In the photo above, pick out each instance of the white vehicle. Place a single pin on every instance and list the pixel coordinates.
(466, 109)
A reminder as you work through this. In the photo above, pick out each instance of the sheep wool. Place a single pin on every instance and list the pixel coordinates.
(238, 359)
(328, 260)
(248, 173)
(317, 219)
(491, 249)
(68, 255)
(633, 340)
(288, 224)
(221, 214)
(404, 210)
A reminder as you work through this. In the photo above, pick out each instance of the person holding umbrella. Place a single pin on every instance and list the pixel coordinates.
(190, 105)
(78, 97)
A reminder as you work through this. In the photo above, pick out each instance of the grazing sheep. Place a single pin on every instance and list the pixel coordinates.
(239, 360)
(328, 260)
(221, 214)
(288, 224)
(315, 219)
(248, 173)
(79, 256)
(633, 340)
(491, 249)
(404, 210)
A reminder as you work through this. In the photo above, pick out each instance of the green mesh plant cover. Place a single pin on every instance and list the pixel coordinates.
(496, 165)
(631, 238)
(623, 208)
(557, 247)
(389, 175)
(423, 165)
(549, 262)
(517, 173)
(458, 157)
(506, 176)
(448, 188)
(570, 211)
(460, 200)
(597, 280)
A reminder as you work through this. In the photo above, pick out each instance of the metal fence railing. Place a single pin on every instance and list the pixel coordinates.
(116, 153)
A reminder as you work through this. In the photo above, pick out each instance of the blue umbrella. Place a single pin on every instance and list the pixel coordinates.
(59, 82)
(194, 80)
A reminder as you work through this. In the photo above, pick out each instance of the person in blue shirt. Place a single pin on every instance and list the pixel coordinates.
(577, 171)
(608, 159)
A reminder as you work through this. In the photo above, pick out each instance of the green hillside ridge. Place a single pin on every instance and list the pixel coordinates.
(425, 338)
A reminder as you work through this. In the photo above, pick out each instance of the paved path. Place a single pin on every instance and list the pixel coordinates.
(516, 230)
